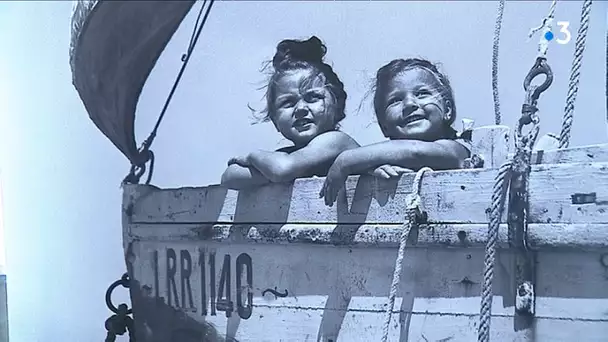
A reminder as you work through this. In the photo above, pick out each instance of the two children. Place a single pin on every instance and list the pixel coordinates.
(413, 102)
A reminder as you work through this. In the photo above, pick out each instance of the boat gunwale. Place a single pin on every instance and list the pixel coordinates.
(571, 232)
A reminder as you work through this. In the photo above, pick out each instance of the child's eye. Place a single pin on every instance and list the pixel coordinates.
(423, 92)
(286, 103)
(392, 101)
(313, 96)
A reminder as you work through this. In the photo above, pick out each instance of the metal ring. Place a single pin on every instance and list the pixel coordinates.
(124, 281)
(540, 68)
(138, 170)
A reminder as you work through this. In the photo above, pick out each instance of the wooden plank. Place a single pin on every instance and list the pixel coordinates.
(547, 142)
(543, 236)
(339, 293)
(460, 196)
(581, 154)
(491, 143)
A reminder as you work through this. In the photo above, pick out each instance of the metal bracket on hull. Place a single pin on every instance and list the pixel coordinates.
(519, 205)
(119, 323)
(525, 257)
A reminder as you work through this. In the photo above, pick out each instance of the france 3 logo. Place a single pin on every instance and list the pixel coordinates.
(564, 35)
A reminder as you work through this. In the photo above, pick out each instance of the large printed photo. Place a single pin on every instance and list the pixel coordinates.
(278, 152)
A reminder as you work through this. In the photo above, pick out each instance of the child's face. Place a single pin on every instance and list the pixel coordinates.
(303, 106)
(414, 107)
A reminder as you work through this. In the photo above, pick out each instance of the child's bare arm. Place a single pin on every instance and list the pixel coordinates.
(240, 177)
(285, 167)
(411, 154)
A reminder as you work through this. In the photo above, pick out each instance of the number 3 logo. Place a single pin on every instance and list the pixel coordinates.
(564, 29)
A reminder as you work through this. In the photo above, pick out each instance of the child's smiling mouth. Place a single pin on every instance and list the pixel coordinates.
(412, 118)
(303, 123)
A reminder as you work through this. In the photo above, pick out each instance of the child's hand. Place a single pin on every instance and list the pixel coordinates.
(239, 160)
(336, 177)
(387, 171)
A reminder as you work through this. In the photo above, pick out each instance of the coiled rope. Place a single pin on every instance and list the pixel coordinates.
(413, 214)
(575, 73)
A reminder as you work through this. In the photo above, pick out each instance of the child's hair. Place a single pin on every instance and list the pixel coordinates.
(294, 54)
(389, 71)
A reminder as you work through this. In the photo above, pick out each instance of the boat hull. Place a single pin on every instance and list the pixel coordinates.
(339, 293)
(296, 270)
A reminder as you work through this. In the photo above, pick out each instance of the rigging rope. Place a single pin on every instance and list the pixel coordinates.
(546, 26)
(498, 199)
(575, 73)
(137, 170)
(524, 145)
(495, 49)
(193, 40)
(413, 215)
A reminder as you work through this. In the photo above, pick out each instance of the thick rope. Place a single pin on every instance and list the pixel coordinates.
(495, 49)
(498, 198)
(575, 73)
(501, 185)
(413, 205)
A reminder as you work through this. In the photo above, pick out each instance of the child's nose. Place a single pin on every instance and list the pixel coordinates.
(301, 109)
(410, 105)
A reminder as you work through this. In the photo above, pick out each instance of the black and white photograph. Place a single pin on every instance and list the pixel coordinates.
(330, 171)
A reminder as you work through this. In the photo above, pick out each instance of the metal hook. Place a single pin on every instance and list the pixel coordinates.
(124, 281)
(541, 67)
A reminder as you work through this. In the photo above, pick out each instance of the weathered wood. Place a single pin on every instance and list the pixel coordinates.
(547, 142)
(338, 294)
(460, 196)
(540, 236)
(336, 267)
(494, 141)
(491, 143)
(581, 154)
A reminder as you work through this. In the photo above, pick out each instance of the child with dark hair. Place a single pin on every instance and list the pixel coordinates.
(415, 108)
(305, 102)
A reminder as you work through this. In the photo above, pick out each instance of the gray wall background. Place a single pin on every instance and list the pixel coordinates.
(61, 176)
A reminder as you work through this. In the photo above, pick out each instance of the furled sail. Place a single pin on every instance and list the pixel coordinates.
(114, 46)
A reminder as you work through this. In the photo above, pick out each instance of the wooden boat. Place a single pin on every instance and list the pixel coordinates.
(276, 264)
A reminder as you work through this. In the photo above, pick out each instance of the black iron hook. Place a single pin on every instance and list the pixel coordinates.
(541, 67)
(124, 282)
